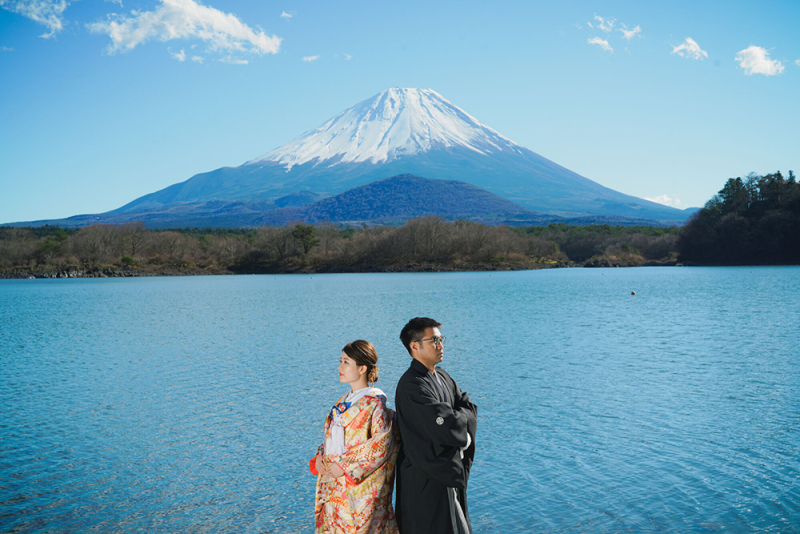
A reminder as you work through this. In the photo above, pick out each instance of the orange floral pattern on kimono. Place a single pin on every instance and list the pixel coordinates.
(360, 502)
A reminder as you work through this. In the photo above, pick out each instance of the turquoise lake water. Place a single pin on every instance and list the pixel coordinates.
(193, 404)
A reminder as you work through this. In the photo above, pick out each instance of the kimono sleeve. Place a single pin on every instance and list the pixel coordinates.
(434, 432)
(360, 462)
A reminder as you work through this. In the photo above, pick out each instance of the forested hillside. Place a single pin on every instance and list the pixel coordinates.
(755, 220)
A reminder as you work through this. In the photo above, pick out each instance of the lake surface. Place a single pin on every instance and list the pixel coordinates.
(193, 404)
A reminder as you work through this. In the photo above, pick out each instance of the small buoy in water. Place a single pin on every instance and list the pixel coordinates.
(633, 292)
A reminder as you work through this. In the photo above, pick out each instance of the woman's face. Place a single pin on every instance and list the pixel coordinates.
(349, 371)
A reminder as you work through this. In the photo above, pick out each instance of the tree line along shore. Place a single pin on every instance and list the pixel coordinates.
(424, 244)
(755, 220)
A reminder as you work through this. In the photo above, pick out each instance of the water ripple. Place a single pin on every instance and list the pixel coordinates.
(193, 404)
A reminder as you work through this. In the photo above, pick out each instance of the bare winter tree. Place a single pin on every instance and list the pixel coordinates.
(229, 249)
(328, 235)
(17, 247)
(134, 236)
(276, 244)
(169, 246)
(98, 243)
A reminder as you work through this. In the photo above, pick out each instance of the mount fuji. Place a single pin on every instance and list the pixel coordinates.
(405, 131)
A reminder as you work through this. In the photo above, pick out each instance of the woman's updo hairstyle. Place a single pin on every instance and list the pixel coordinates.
(364, 353)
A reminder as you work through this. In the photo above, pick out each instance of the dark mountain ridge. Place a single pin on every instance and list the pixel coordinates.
(392, 201)
(397, 199)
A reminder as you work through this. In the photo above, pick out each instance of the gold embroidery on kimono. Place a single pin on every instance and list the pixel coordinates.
(360, 502)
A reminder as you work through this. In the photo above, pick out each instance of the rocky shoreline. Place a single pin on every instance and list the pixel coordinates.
(134, 272)
(104, 272)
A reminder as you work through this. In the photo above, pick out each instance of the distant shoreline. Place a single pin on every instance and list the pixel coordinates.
(134, 272)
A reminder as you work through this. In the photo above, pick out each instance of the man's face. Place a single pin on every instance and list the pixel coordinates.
(426, 351)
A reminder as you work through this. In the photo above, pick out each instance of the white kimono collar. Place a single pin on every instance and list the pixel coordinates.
(334, 445)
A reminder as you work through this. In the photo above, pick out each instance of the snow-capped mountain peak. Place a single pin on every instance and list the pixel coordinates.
(396, 122)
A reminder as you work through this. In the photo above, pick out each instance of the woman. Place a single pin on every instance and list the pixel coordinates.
(355, 464)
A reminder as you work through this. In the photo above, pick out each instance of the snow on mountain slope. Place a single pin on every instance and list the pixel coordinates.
(394, 123)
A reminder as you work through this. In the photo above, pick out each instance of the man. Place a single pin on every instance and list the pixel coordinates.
(437, 423)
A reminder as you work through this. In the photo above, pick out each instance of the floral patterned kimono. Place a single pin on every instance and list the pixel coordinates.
(360, 502)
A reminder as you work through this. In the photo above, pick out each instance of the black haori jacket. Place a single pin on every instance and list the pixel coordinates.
(434, 424)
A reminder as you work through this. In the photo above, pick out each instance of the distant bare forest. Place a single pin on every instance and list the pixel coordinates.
(427, 243)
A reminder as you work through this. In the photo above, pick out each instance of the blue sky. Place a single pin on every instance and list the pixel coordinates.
(104, 101)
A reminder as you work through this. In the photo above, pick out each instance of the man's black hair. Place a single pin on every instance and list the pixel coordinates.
(414, 329)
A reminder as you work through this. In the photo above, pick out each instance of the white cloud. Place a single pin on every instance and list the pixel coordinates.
(49, 13)
(185, 19)
(605, 25)
(755, 60)
(233, 61)
(630, 34)
(796, 61)
(197, 59)
(309, 59)
(6, 49)
(589, 24)
(602, 43)
(180, 56)
(285, 15)
(667, 201)
(689, 49)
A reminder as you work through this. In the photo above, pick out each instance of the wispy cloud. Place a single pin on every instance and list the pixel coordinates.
(605, 24)
(602, 43)
(186, 19)
(630, 34)
(689, 49)
(796, 61)
(6, 49)
(755, 60)
(234, 61)
(180, 56)
(667, 201)
(285, 15)
(309, 59)
(49, 13)
(197, 59)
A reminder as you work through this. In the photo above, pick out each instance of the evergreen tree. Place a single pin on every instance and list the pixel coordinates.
(306, 235)
(756, 220)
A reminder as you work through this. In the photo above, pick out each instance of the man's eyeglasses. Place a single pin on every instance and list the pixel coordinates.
(437, 340)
